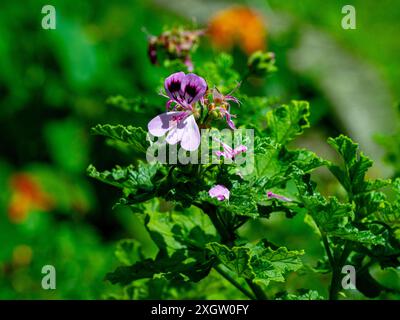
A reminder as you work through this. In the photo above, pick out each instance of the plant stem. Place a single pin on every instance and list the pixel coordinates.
(334, 288)
(235, 283)
(258, 292)
(336, 272)
(328, 249)
(228, 238)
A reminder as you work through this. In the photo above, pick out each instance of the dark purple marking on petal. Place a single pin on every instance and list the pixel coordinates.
(173, 85)
(193, 88)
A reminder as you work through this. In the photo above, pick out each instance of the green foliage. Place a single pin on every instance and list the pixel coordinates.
(53, 86)
(197, 235)
(288, 121)
(135, 137)
(258, 263)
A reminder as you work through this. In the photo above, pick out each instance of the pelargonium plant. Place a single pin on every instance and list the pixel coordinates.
(195, 212)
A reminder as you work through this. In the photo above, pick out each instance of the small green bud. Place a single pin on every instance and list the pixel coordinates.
(261, 63)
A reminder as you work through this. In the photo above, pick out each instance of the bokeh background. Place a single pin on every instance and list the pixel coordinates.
(56, 84)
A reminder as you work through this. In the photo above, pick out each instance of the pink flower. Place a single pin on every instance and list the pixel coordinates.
(220, 192)
(180, 124)
(228, 151)
(270, 195)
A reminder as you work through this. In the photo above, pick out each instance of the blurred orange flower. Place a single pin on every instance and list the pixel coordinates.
(238, 25)
(26, 195)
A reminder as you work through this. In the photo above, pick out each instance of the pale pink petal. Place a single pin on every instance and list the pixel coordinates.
(220, 192)
(220, 154)
(176, 133)
(241, 148)
(227, 148)
(191, 135)
(162, 123)
(229, 121)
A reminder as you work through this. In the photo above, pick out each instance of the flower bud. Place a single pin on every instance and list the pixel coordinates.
(261, 63)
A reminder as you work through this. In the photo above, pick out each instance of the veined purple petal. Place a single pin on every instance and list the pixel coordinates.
(190, 139)
(193, 88)
(162, 123)
(220, 192)
(173, 85)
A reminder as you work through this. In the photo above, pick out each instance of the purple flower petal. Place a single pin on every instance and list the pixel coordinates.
(193, 88)
(220, 192)
(173, 85)
(191, 134)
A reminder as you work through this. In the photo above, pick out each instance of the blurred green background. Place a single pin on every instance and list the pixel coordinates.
(54, 86)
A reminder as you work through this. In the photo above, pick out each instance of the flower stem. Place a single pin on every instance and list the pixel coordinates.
(235, 283)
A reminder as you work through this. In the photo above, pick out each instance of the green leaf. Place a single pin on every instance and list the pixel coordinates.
(365, 237)
(355, 165)
(172, 231)
(330, 214)
(272, 265)
(175, 267)
(137, 184)
(258, 263)
(181, 239)
(335, 219)
(237, 259)
(301, 295)
(288, 121)
(133, 136)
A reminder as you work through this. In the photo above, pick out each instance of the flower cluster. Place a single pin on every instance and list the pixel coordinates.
(176, 44)
(188, 96)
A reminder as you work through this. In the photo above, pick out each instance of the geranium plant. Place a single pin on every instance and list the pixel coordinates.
(194, 211)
